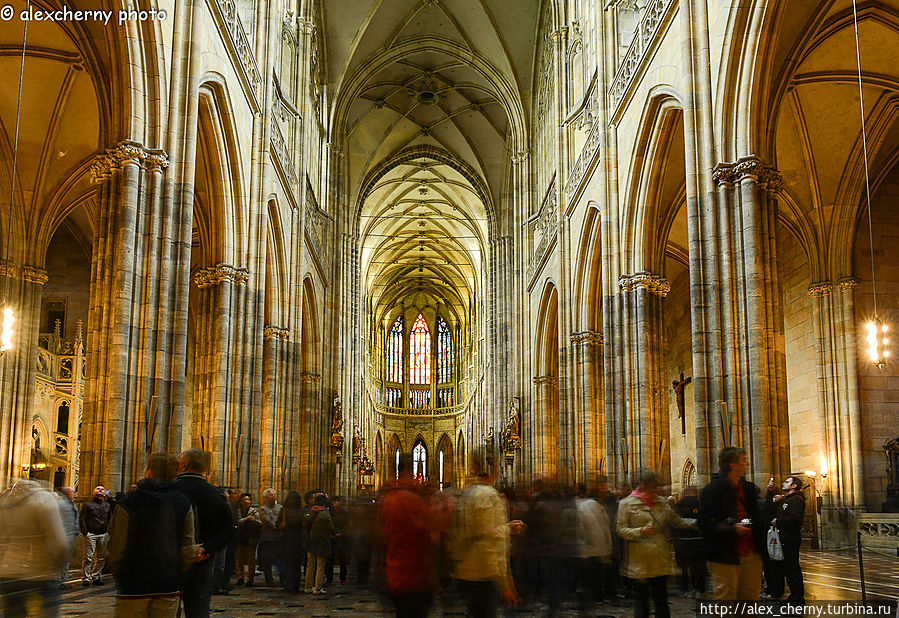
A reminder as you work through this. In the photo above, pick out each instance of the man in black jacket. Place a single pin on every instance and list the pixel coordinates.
(94, 524)
(788, 511)
(214, 529)
(730, 518)
(151, 541)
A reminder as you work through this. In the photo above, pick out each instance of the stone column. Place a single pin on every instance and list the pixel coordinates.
(838, 405)
(312, 447)
(754, 378)
(546, 443)
(589, 420)
(646, 418)
(272, 431)
(17, 367)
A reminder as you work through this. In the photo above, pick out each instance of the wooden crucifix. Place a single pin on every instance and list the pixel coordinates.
(679, 391)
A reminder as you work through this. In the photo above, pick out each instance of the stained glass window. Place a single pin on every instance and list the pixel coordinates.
(395, 352)
(419, 461)
(394, 397)
(421, 399)
(444, 397)
(420, 352)
(445, 356)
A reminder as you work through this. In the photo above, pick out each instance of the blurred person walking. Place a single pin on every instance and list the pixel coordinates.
(293, 555)
(338, 543)
(33, 546)
(94, 523)
(481, 543)
(406, 520)
(319, 528)
(151, 543)
(731, 521)
(270, 537)
(594, 541)
(249, 529)
(214, 530)
(68, 512)
(643, 522)
(688, 546)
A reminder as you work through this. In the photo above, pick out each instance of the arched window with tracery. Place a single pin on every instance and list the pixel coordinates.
(445, 352)
(395, 352)
(420, 352)
(419, 461)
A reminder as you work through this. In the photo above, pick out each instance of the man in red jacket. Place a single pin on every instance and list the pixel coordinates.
(405, 516)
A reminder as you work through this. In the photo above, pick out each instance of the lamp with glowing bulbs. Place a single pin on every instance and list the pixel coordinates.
(7, 332)
(877, 341)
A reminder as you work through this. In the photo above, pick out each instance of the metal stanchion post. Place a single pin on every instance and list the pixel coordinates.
(861, 568)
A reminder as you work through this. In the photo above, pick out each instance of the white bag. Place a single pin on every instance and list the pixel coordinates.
(775, 549)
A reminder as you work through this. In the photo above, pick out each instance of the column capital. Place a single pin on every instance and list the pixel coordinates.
(7, 268)
(32, 274)
(546, 380)
(307, 377)
(750, 168)
(820, 289)
(270, 332)
(127, 152)
(588, 337)
(847, 284)
(214, 275)
(654, 284)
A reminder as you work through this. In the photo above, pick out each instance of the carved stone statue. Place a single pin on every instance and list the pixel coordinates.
(514, 426)
(489, 444)
(337, 416)
(357, 445)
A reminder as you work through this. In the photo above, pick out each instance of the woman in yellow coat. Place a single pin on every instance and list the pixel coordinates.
(643, 520)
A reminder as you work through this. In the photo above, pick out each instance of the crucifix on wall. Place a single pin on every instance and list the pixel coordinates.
(679, 392)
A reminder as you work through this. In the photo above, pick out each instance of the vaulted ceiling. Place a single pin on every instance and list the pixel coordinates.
(429, 104)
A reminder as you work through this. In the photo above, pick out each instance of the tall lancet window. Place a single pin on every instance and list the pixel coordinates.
(420, 352)
(445, 352)
(419, 462)
(395, 352)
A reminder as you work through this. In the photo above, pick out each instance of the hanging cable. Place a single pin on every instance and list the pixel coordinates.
(876, 329)
(8, 317)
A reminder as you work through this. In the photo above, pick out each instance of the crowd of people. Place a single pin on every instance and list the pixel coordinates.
(175, 539)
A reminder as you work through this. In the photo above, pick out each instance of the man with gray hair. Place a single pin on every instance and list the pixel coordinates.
(214, 529)
(270, 539)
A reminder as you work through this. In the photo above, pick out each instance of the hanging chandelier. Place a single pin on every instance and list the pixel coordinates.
(876, 329)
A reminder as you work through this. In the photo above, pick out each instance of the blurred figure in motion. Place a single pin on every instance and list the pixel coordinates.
(481, 543)
(362, 526)
(293, 555)
(643, 519)
(151, 542)
(69, 514)
(269, 551)
(94, 523)
(688, 546)
(319, 528)
(338, 543)
(406, 519)
(594, 541)
(33, 547)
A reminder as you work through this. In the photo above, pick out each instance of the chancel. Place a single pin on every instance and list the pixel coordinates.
(310, 236)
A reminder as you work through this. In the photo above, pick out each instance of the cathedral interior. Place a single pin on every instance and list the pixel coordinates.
(588, 236)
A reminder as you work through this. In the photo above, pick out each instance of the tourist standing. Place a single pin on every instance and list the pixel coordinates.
(270, 538)
(643, 519)
(731, 521)
(319, 528)
(290, 522)
(214, 529)
(594, 542)
(151, 542)
(94, 523)
(248, 530)
(788, 511)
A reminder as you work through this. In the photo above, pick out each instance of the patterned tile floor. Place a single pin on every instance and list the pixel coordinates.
(828, 576)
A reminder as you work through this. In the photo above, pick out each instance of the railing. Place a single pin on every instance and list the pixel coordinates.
(282, 153)
(584, 162)
(226, 13)
(447, 411)
(656, 13)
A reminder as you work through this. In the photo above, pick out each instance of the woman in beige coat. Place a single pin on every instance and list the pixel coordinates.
(643, 520)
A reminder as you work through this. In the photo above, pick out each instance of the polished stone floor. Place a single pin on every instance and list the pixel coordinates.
(828, 576)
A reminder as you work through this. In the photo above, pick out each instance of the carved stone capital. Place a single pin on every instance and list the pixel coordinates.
(546, 380)
(847, 284)
(30, 274)
(750, 168)
(125, 153)
(214, 275)
(588, 337)
(275, 332)
(520, 157)
(308, 377)
(654, 284)
(7, 269)
(820, 289)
